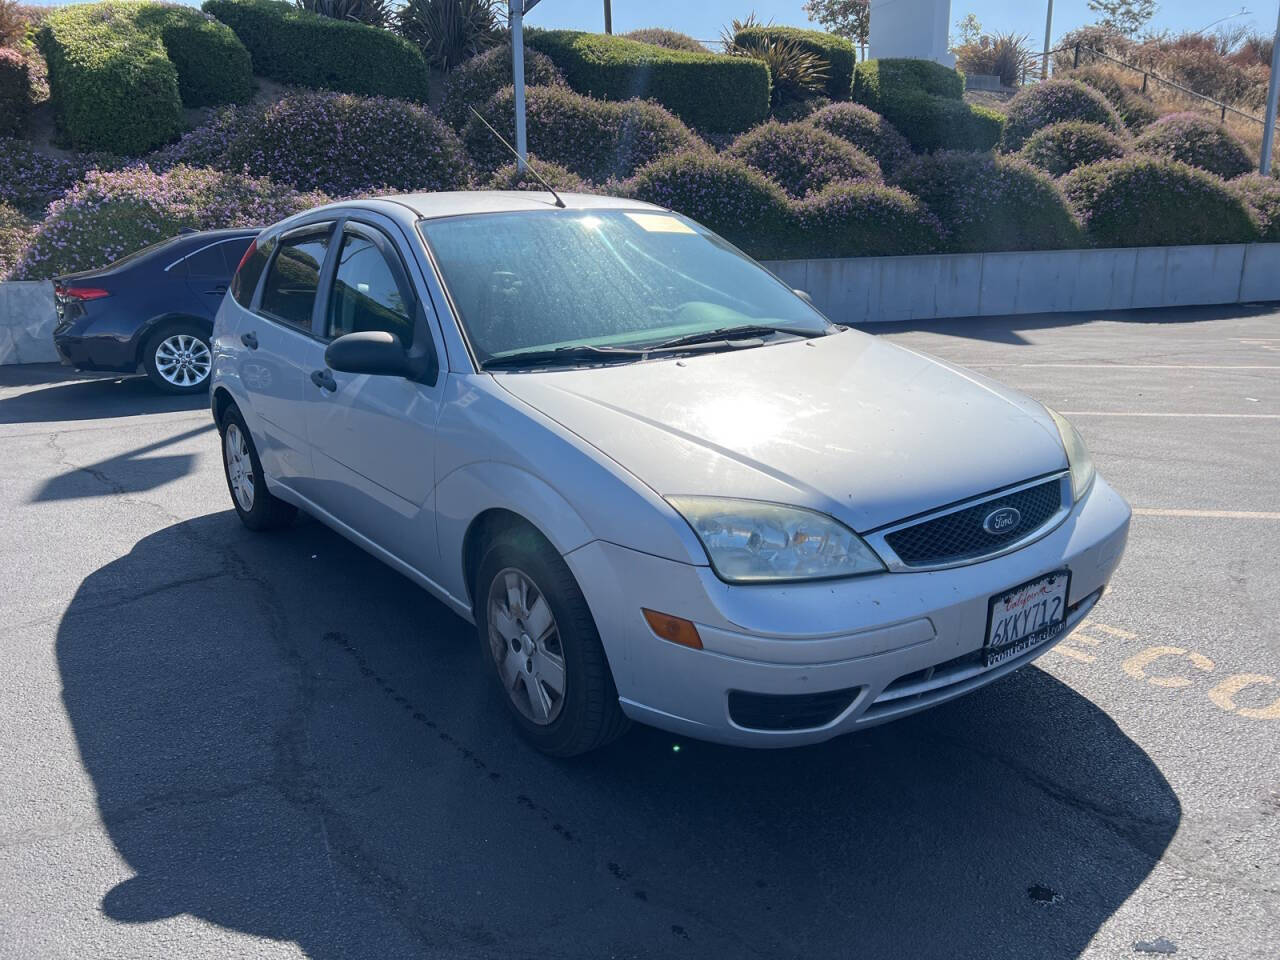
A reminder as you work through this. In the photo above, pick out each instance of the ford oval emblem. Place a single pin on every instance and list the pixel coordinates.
(1001, 521)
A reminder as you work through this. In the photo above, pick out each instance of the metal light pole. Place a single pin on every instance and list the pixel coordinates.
(1048, 32)
(516, 9)
(1273, 89)
(608, 17)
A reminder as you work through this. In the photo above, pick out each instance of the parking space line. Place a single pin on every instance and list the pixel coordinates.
(1207, 514)
(1135, 366)
(1145, 413)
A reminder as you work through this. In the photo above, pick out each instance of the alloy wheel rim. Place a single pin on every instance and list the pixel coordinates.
(526, 647)
(183, 360)
(239, 466)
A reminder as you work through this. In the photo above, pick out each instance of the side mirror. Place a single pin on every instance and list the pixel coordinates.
(803, 295)
(374, 352)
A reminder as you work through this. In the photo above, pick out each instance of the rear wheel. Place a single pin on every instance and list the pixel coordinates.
(539, 637)
(257, 508)
(177, 358)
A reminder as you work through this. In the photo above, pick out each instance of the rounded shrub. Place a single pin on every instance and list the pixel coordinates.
(1262, 196)
(1135, 109)
(863, 220)
(213, 66)
(1144, 201)
(596, 139)
(988, 201)
(723, 193)
(344, 144)
(802, 158)
(671, 39)
(866, 130)
(109, 214)
(1197, 140)
(15, 233)
(15, 92)
(473, 82)
(1055, 101)
(510, 177)
(1062, 147)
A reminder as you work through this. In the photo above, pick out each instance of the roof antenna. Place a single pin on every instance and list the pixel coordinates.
(528, 165)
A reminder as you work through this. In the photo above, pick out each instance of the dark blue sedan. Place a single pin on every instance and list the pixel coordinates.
(152, 310)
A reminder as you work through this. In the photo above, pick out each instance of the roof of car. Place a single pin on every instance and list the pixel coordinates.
(451, 204)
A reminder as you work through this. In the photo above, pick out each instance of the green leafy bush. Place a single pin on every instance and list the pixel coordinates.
(866, 130)
(796, 74)
(15, 92)
(922, 99)
(1055, 101)
(988, 201)
(863, 220)
(723, 193)
(509, 177)
(15, 234)
(835, 52)
(213, 66)
(1262, 196)
(472, 83)
(801, 158)
(596, 139)
(112, 84)
(671, 39)
(296, 46)
(109, 214)
(1148, 201)
(1135, 109)
(710, 92)
(374, 13)
(1062, 147)
(1197, 140)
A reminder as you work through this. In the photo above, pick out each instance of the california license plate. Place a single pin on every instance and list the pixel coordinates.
(1026, 616)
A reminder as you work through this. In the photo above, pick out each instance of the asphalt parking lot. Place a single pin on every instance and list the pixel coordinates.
(219, 744)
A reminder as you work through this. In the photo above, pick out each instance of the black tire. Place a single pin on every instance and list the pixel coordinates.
(264, 512)
(589, 716)
(190, 363)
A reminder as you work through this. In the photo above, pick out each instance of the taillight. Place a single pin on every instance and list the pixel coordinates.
(253, 248)
(82, 293)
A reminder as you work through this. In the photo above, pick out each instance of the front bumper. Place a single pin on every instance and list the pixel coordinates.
(897, 642)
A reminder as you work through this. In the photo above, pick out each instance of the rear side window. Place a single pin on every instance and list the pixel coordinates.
(246, 279)
(289, 292)
(210, 262)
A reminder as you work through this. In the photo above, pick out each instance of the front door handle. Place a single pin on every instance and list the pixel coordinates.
(324, 380)
(250, 340)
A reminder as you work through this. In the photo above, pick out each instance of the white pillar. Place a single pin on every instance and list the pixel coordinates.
(917, 29)
(516, 9)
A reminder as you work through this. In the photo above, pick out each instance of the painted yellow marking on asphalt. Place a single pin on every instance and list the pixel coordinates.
(1069, 651)
(1224, 695)
(1207, 514)
(1107, 628)
(1191, 416)
(1136, 666)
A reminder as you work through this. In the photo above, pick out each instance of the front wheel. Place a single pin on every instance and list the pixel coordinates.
(177, 358)
(538, 635)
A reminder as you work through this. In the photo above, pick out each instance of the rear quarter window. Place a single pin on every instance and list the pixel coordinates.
(245, 281)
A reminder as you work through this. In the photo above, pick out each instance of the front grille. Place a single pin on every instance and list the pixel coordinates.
(960, 536)
(804, 711)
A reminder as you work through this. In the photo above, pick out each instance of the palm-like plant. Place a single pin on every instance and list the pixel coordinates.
(797, 74)
(450, 31)
(375, 13)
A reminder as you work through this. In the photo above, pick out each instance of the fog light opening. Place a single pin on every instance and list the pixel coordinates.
(675, 629)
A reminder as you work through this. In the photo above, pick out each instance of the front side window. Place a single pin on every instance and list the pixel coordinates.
(289, 293)
(369, 293)
(541, 280)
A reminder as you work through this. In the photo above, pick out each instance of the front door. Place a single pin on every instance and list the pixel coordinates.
(373, 437)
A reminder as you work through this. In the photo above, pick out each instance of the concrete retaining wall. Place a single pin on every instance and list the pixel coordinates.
(871, 289)
(26, 322)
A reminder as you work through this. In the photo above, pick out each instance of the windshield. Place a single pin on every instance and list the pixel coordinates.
(535, 281)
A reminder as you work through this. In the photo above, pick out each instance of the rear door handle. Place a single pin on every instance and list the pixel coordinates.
(250, 340)
(220, 289)
(324, 380)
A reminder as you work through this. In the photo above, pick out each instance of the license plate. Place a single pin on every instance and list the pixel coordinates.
(1026, 616)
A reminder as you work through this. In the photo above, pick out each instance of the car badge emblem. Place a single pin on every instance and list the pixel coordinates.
(1001, 521)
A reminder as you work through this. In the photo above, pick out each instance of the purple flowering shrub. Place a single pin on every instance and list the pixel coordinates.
(110, 214)
(473, 82)
(989, 201)
(510, 178)
(1262, 196)
(30, 180)
(596, 139)
(205, 145)
(1055, 101)
(1143, 201)
(866, 130)
(15, 234)
(1135, 109)
(863, 219)
(721, 192)
(1062, 147)
(800, 158)
(1197, 140)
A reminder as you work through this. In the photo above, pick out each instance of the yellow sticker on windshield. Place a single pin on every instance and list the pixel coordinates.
(660, 223)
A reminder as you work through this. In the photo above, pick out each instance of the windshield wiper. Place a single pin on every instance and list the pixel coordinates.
(574, 353)
(728, 334)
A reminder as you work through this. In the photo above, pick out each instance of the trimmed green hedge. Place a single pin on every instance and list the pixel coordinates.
(299, 47)
(15, 92)
(213, 66)
(922, 99)
(836, 52)
(710, 92)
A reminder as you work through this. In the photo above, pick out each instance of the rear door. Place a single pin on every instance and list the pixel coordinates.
(208, 270)
(373, 437)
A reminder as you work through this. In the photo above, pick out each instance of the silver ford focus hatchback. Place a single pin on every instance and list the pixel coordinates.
(662, 485)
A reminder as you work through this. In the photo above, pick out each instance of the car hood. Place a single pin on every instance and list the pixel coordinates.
(849, 424)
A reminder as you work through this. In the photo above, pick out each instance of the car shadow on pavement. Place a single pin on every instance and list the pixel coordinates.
(133, 471)
(60, 394)
(289, 740)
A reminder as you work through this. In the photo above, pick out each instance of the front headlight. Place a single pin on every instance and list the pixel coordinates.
(1078, 459)
(750, 541)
